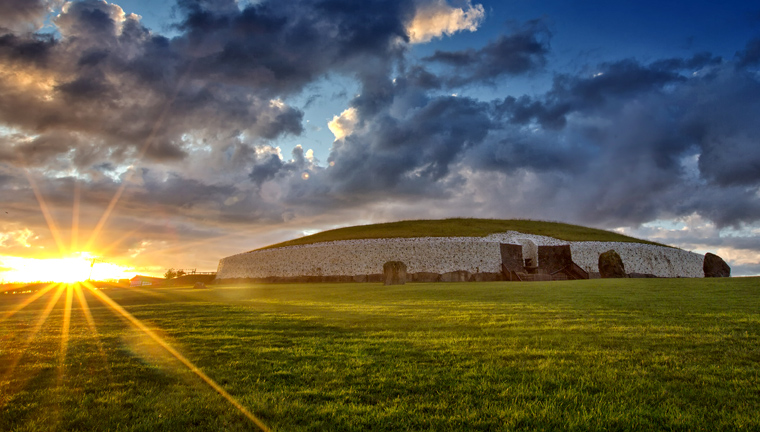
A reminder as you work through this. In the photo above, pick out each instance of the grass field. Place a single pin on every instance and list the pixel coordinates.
(463, 227)
(646, 354)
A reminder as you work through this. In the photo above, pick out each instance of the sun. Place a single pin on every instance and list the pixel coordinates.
(76, 267)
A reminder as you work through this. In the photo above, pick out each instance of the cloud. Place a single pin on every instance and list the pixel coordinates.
(24, 15)
(750, 55)
(436, 18)
(191, 125)
(521, 52)
(343, 124)
(20, 237)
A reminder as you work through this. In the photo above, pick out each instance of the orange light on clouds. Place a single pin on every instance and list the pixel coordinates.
(74, 268)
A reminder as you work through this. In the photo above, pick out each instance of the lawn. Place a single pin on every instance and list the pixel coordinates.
(463, 227)
(637, 354)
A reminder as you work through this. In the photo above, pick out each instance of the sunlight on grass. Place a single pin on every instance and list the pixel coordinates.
(577, 355)
(134, 321)
(11, 374)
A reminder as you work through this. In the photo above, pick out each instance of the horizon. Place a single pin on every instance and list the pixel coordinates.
(140, 136)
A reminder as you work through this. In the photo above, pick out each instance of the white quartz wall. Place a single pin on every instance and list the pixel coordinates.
(441, 255)
(640, 258)
(357, 257)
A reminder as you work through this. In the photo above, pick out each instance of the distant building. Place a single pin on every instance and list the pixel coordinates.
(140, 280)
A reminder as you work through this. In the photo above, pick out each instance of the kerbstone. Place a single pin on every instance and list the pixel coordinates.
(394, 273)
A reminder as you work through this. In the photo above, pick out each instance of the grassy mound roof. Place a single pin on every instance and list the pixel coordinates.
(462, 228)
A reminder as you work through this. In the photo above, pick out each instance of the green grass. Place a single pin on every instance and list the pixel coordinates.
(462, 228)
(600, 355)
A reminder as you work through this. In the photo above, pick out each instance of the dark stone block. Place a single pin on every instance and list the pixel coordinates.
(714, 266)
(375, 277)
(611, 265)
(512, 257)
(394, 273)
(554, 258)
(642, 275)
(337, 279)
(486, 277)
(456, 276)
(425, 277)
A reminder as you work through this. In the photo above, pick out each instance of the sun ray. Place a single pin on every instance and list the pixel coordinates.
(90, 322)
(195, 243)
(65, 332)
(36, 329)
(149, 293)
(28, 301)
(46, 213)
(107, 249)
(75, 217)
(150, 333)
(148, 141)
(85, 309)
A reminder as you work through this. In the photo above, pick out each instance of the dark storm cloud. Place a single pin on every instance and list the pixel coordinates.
(278, 47)
(413, 152)
(23, 15)
(631, 143)
(626, 143)
(521, 52)
(126, 87)
(270, 165)
(611, 84)
(750, 55)
(696, 62)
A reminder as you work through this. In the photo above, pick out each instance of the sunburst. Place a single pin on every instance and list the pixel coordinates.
(55, 292)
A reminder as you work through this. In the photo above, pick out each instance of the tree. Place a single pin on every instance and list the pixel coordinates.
(181, 273)
(170, 274)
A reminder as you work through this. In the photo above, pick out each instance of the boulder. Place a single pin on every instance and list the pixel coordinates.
(394, 273)
(456, 276)
(714, 266)
(611, 265)
(199, 285)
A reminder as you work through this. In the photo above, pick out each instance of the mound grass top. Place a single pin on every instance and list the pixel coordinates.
(462, 228)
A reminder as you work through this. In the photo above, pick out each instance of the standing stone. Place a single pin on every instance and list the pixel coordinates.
(714, 266)
(394, 273)
(611, 265)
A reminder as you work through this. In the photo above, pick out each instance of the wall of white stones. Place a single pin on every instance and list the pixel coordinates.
(640, 258)
(357, 257)
(441, 255)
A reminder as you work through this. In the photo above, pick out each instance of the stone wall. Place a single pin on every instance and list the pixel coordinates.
(640, 258)
(441, 255)
(356, 257)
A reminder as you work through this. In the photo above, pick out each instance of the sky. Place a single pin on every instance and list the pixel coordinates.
(155, 135)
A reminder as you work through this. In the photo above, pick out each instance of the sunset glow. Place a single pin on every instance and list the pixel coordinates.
(74, 268)
(222, 139)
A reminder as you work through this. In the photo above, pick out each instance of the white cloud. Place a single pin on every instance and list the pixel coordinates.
(437, 18)
(140, 248)
(344, 124)
(20, 237)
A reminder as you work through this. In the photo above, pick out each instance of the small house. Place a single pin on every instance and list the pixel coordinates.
(140, 280)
